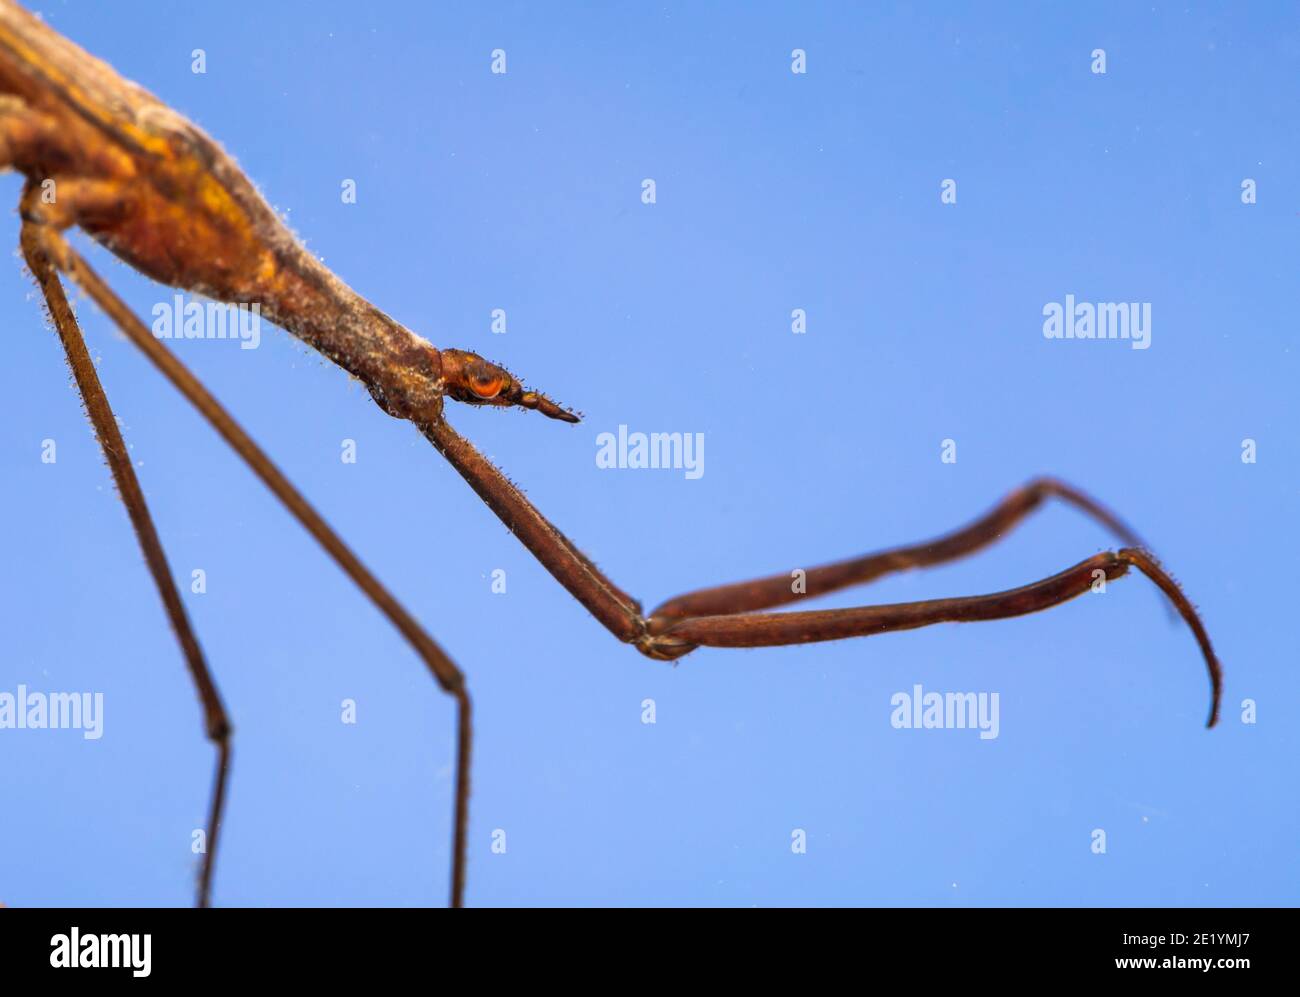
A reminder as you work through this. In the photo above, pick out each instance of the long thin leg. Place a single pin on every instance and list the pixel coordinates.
(717, 617)
(775, 590)
(618, 611)
(669, 637)
(216, 722)
(448, 676)
(773, 629)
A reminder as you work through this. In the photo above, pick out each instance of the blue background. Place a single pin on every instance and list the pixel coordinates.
(775, 191)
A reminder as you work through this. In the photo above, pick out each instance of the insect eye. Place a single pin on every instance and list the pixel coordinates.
(486, 385)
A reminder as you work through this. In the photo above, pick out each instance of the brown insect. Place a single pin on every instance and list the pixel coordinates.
(155, 190)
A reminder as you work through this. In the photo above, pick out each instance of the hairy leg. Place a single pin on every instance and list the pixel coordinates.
(216, 722)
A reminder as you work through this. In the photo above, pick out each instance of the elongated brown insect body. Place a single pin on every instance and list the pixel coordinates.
(158, 193)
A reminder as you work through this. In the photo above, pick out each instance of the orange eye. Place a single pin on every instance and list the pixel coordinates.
(486, 385)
